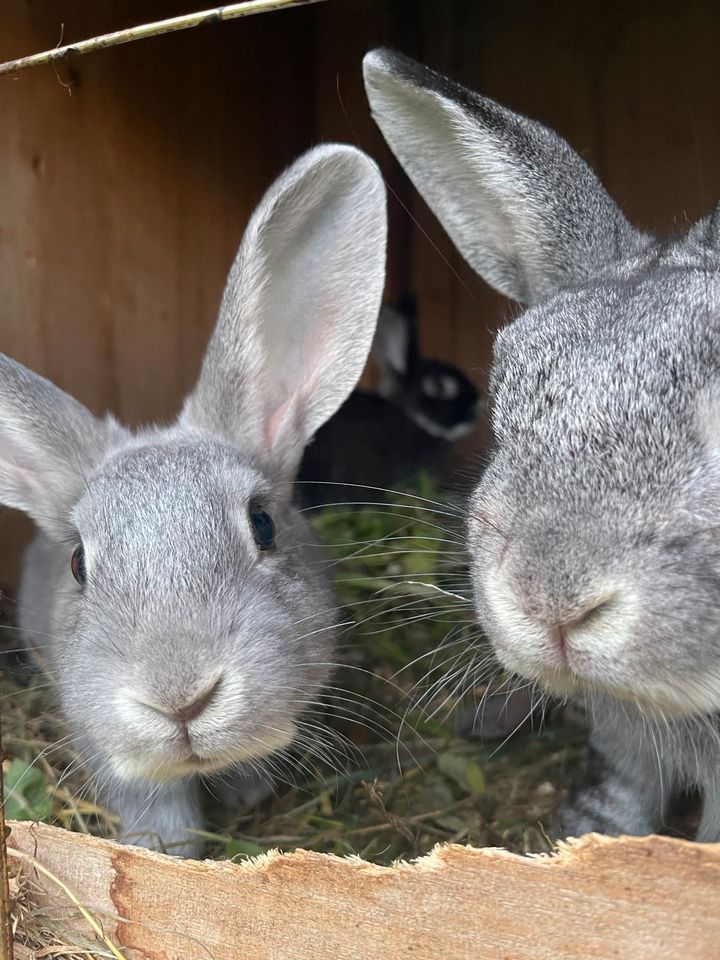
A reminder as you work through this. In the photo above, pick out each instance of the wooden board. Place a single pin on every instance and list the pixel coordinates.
(650, 898)
(126, 177)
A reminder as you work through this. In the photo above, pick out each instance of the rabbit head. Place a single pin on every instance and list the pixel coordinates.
(437, 396)
(174, 592)
(593, 532)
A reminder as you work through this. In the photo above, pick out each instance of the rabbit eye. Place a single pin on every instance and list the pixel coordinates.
(450, 388)
(77, 564)
(263, 529)
(430, 387)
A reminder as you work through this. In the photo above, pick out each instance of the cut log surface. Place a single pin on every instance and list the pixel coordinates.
(634, 898)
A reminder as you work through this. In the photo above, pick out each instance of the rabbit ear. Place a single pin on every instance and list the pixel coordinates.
(299, 309)
(706, 232)
(525, 210)
(395, 345)
(49, 443)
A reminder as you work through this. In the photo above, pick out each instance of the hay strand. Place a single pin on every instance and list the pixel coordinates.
(6, 936)
(33, 862)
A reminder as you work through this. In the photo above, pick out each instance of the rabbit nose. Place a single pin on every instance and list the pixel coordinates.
(195, 707)
(560, 632)
(558, 638)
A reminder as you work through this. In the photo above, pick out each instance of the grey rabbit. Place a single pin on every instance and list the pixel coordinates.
(175, 594)
(377, 441)
(593, 533)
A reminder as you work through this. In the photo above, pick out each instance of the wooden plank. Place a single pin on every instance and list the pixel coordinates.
(649, 898)
(129, 175)
(125, 193)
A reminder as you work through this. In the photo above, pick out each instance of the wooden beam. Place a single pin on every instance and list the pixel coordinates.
(635, 898)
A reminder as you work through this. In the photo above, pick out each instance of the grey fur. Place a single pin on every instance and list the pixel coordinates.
(594, 531)
(179, 600)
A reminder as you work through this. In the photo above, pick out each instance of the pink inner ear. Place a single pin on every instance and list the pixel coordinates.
(305, 365)
(276, 421)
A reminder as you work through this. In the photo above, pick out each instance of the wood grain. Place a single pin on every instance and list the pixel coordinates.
(633, 899)
(127, 177)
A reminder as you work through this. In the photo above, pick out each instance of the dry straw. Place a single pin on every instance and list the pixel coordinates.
(85, 913)
(6, 936)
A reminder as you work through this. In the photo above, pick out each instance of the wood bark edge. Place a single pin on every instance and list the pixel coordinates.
(633, 898)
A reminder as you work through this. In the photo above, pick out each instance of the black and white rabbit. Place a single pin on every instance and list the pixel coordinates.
(376, 441)
(175, 592)
(593, 532)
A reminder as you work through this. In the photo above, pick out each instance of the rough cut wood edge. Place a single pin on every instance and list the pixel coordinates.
(635, 898)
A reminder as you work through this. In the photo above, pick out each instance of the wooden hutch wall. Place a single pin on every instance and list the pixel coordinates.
(126, 177)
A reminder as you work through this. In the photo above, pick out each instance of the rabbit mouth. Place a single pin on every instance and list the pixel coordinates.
(169, 769)
(203, 755)
(196, 762)
(177, 768)
(682, 698)
(191, 764)
(664, 700)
